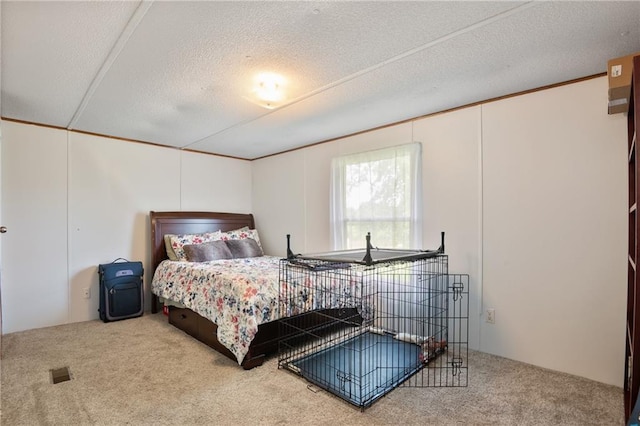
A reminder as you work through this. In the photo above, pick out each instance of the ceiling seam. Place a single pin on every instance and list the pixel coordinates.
(439, 40)
(115, 51)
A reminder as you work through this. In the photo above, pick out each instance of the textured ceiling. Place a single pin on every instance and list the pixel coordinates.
(180, 73)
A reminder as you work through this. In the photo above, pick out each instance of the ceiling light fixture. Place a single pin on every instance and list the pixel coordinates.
(269, 89)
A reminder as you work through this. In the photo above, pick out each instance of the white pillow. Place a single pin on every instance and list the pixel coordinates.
(178, 241)
(241, 234)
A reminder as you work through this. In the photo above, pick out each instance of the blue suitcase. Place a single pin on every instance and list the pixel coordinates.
(121, 290)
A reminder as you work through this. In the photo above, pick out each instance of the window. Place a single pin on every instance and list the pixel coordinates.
(377, 192)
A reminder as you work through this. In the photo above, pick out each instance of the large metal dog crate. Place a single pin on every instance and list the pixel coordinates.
(390, 318)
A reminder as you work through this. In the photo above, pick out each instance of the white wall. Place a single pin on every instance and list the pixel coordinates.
(210, 182)
(112, 186)
(278, 202)
(530, 191)
(555, 195)
(73, 201)
(452, 193)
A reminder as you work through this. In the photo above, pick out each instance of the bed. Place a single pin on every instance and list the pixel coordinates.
(198, 320)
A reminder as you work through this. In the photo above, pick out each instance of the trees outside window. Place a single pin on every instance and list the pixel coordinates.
(377, 192)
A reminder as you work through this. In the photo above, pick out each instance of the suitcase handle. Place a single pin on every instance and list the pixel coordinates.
(115, 261)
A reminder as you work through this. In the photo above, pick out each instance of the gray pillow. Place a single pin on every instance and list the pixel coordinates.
(247, 247)
(211, 250)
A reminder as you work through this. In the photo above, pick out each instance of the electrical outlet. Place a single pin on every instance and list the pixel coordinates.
(491, 316)
(87, 293)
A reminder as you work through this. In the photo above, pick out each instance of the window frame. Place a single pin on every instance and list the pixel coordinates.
(338, 219)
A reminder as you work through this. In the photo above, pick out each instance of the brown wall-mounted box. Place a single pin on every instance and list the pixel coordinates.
(619, 75)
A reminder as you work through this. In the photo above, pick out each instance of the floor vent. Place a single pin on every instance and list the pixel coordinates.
(59, 375)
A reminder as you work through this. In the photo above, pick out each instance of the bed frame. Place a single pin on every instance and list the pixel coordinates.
(266, 340)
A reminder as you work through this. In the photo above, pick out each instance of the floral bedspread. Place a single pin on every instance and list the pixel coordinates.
(236, 294)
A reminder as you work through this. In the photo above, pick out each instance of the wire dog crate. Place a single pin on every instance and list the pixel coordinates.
(393, 318)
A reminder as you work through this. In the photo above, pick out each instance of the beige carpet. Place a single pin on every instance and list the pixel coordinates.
(143, 371)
